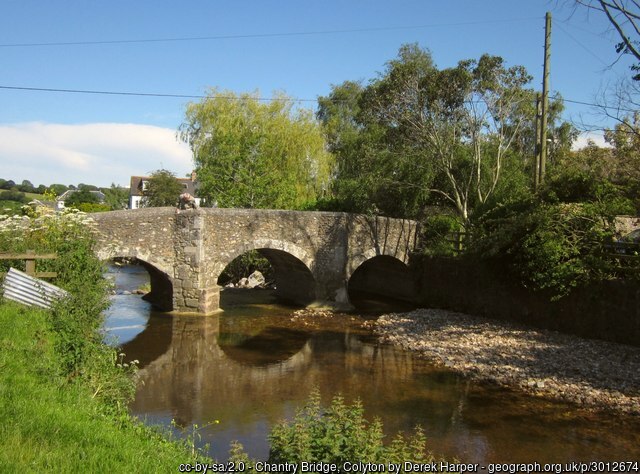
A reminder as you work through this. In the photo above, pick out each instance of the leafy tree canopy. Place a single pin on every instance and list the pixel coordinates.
(80, 197)
(115, 197)
(256, 154)
(8, 184)
(164, 189)
(417, 135)
(58, 188)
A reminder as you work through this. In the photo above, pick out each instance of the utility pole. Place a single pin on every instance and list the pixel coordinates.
(545, 98)
(536, 163)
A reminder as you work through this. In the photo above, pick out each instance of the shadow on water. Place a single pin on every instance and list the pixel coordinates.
(252, 365)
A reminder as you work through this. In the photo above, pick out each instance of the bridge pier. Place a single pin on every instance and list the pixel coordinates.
(193, 290)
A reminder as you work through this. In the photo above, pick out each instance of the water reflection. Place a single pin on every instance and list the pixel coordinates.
(251, 366)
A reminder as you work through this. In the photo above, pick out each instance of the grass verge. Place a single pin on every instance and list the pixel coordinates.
(50, 424)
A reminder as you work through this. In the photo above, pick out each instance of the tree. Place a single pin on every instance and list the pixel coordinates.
(254, 154)
(116, 197)
(81, 197)
(624, 16)
(440, 132)
(58, 189)
(8, 184)
(359, 183)
(88, 187)
(26, 186)
(164, 189)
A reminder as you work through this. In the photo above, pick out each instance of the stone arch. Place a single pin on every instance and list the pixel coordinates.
(357, 260)
(383, 275)
(295, 281)
(161, 294)
(273, 244)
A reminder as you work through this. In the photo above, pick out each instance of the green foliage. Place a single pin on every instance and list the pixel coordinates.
(437, 235)
(26, 187)
(14, 196)
(419, 136)
(115, 197)
(92, 207)
(8, 184)
(12, 208)
(65, 392)
(164, 189)
(254, 154)
(58, 189)
(81, 197)
(245, 265)
(553, 246)
(76, 320)
(338, 434)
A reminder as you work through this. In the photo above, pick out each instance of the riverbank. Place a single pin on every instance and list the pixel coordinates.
(591, 373)
(51, 422)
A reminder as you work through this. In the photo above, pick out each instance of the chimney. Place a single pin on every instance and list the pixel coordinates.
(193, 176)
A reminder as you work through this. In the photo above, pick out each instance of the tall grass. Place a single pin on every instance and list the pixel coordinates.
(50, 425)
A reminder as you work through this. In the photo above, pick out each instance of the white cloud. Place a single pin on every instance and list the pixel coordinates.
(95, 153)
(584, 138)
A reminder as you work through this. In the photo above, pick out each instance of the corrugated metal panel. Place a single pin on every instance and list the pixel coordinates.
(20, 287)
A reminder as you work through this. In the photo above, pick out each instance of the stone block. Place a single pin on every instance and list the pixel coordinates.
(191, 303)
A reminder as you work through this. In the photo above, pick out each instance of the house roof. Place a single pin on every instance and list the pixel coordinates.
(135, 188)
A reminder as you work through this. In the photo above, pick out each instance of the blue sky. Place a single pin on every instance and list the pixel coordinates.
(49, 137)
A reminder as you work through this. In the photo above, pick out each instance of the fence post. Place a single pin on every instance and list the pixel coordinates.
(30, 263)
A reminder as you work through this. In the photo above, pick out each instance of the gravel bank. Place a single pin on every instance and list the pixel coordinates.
(593, 374)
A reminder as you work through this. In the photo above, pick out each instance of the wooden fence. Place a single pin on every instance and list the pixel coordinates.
(624, 256)
(30, 258)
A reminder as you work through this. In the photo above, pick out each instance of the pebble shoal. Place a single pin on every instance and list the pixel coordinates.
(593, 374)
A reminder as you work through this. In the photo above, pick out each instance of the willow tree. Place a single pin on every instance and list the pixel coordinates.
(256, 154)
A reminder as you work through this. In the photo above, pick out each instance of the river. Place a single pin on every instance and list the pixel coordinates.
(237, 373)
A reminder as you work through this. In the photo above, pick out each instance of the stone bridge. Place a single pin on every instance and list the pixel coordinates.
(314, 254)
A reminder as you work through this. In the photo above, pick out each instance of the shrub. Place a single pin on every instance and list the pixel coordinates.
(76, 320)
(552, 246)
(338, 434)
(437, 234)
(14, 196)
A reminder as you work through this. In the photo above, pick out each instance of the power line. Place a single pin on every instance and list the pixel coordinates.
(260, 35)
(249, 97)
(581, 45)
(147, 94)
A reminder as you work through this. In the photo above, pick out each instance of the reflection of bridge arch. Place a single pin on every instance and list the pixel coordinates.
(283, 347)
(195, 362)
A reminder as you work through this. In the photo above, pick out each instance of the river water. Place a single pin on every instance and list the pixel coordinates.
(236, 374)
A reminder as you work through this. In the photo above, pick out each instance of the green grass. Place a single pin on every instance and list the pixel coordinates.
(49, 424)
(10, 207)
(39, 197)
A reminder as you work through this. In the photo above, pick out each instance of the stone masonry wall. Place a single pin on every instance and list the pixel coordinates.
(193, 247)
